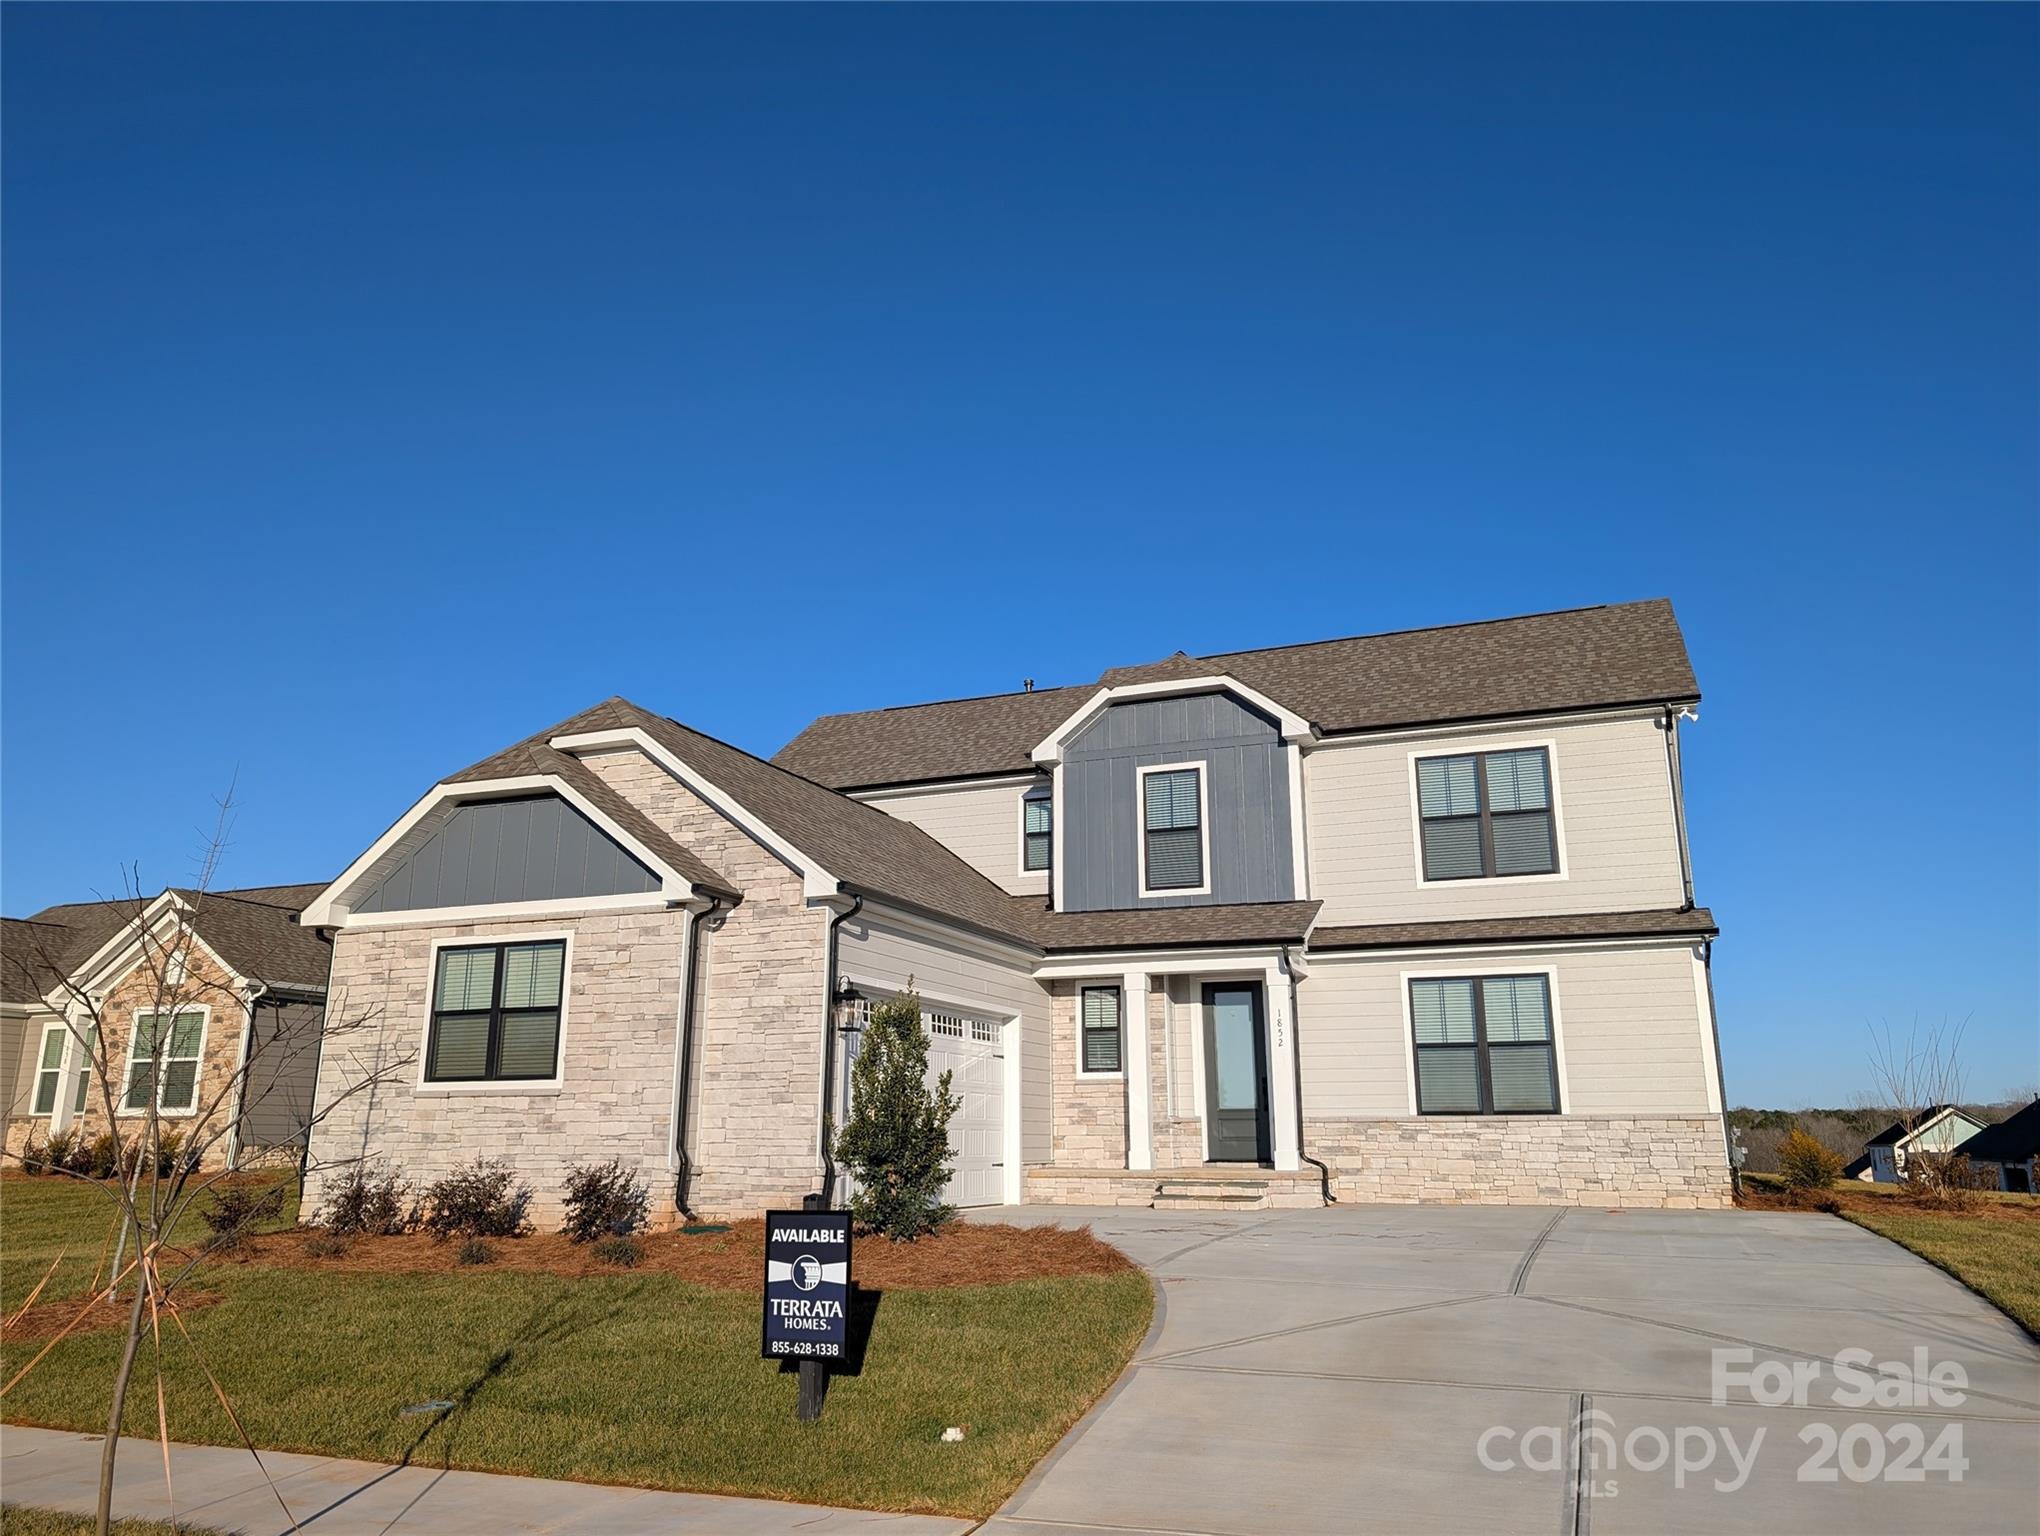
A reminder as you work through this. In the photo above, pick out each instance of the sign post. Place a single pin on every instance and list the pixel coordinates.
(807, 1294)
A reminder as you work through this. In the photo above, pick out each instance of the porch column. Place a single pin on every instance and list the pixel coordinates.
(1133, 1019)
(1282, 1080)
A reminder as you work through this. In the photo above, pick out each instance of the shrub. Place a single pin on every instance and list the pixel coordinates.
(897, 1140)
(604, 1200)
(101, 1160)
(475, 1250)
(326, 1245)
(237, 1209)
(54, 1156)
(1807, 1164)
(367, 1205)
(480, 1199)
(623, 1252)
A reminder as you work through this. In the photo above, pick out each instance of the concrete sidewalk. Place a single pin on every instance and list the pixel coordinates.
(221, 1489)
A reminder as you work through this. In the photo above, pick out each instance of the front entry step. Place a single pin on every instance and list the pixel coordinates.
(1211, 1195)
(1209, 1187)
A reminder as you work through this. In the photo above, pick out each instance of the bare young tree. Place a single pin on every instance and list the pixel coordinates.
(159, 1173)
(1917, 1073)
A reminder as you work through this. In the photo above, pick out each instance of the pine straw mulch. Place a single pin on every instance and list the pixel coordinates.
(50, 1317)
(1839, 1198)
(962, 1253)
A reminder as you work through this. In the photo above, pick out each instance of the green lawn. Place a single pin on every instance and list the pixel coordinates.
(645, 1380)
(20, 1520)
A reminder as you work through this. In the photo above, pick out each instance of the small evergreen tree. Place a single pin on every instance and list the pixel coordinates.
(897, 1138)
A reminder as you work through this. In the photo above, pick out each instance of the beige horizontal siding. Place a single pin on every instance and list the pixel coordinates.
(1629, 1024)
(981, 825)
(888, 956)
(1618, 840)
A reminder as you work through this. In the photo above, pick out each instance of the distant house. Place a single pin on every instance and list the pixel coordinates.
(1862, 1166)
(219, 978)
(2009, 1149)
(1939, 1128)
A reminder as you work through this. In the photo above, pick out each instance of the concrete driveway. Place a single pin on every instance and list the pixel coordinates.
(1340, 1370)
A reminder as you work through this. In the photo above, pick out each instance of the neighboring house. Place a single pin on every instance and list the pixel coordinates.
(1937, 1128)
(1401, 917)
(1862, 1166)
(2009, 1149)
(223, 977)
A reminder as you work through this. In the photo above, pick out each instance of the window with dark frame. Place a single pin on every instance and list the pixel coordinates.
(1037, 830)
(1098, 1011)
(1486, 814)
(496, 1013)
(1175, 837)
(1484, 1046)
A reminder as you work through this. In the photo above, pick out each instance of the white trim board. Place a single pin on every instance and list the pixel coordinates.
(1294, 727)
(329, 908)
(1140, 777)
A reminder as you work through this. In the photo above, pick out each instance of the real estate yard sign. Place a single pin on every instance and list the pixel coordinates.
(807, 1285)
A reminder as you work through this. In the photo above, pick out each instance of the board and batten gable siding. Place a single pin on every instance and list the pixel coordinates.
(496, 851)
(876, 954)
(1618, 835)
(1246, 800)
(1631, 1032)
(979, 823)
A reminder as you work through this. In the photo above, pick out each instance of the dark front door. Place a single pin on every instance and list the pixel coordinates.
(1235, 1072)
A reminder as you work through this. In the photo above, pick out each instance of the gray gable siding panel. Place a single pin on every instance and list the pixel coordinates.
(1247, 801)
(538, 849)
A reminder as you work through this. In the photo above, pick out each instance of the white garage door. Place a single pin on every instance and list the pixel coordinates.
(968, 1047)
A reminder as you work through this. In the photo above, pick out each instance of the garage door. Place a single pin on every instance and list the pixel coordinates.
(968, 1047)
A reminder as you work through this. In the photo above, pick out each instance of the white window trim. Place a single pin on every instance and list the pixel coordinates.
(496, 1086)
(1203, 772)
(1468, 749)
(1034, 791)
(204, 1010)
(63, 1063)
(1464, 972)
(1103, 984)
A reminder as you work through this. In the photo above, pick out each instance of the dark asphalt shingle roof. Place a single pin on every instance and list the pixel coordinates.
(1582, 658)
(251, 929)
(1274, 922)
(1696, 923)
(2011, 1140)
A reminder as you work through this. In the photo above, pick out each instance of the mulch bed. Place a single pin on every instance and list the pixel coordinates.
(963, 1253)
(49, 1317)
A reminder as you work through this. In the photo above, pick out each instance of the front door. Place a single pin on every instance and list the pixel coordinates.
(1235, 1072)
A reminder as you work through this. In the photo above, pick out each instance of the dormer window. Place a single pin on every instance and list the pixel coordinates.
(1174, 854)
(1037, 830)
(1487, 814)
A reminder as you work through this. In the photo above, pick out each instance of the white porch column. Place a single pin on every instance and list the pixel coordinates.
(1282, 1078)
(1133, 1023)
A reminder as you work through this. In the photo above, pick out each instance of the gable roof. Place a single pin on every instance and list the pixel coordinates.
(2011, 1140)
(1896, 1132)
(1580, 658)
(869, 851)
(252, 929)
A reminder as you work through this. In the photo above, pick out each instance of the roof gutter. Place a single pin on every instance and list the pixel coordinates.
(1296, 1029)
(1675, 773)
(822, 1126)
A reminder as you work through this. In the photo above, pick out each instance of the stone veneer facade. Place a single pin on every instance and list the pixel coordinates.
(756, 1066)
(206, 985)
(1679, 1163)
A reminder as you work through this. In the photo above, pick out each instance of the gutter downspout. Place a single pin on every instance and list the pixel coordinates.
(1675, 772)
(683, 1050)
(822, 1126)
(1720, 1073)
(1296, 1028)
(256, 992)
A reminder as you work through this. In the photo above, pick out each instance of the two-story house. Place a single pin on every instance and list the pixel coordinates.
(1399, 917)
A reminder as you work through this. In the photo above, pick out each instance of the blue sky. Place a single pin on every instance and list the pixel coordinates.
(384, 383)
